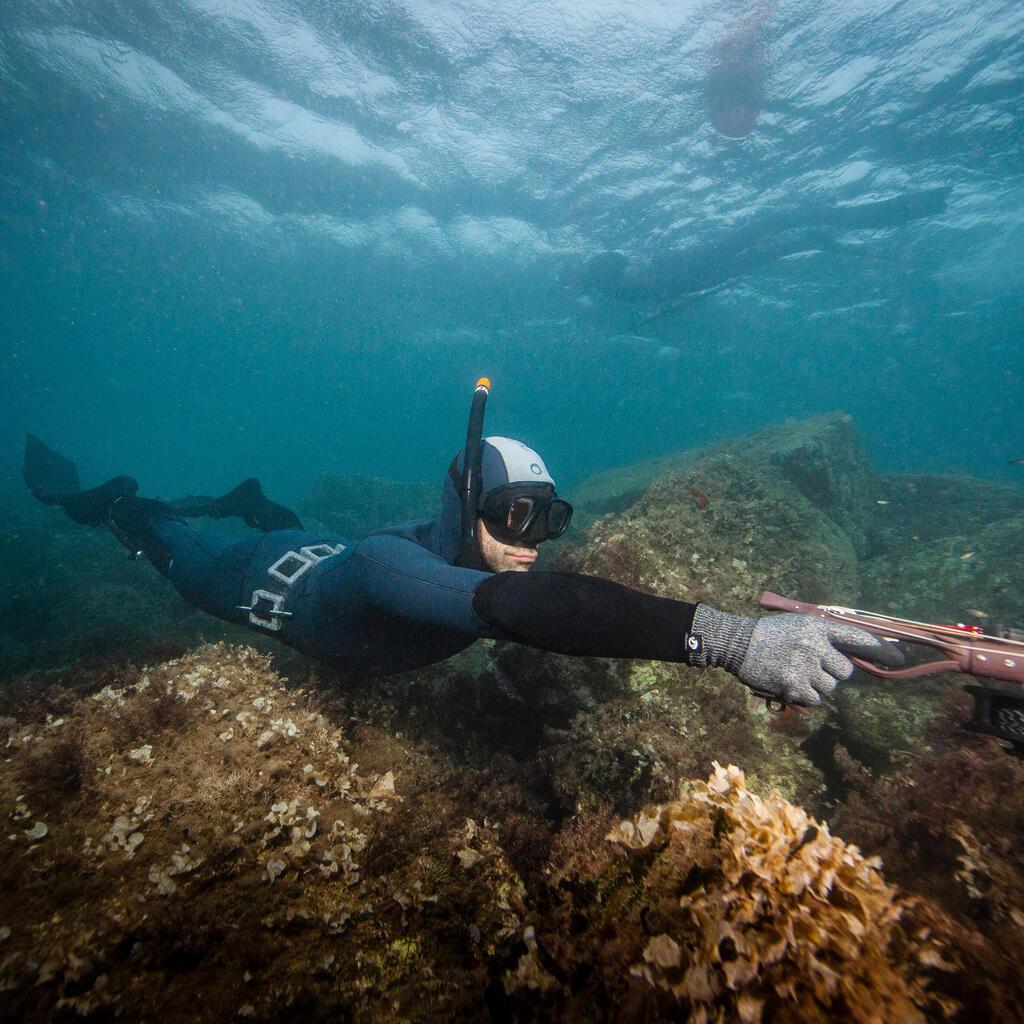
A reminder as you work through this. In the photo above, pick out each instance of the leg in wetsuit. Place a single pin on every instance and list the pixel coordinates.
(268, 582)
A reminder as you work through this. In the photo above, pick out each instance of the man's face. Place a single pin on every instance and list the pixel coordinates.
(501, 556)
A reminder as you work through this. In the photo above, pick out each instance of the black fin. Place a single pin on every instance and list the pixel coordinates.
(276, 517)
(50, 477)
(240, 502)
(91, 508)
(248, 503)
(53, 479)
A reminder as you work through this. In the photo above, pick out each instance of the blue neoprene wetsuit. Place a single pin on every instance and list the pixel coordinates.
(395, 601)
(386, 604)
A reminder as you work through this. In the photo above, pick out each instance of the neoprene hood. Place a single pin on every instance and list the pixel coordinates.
(503, 461)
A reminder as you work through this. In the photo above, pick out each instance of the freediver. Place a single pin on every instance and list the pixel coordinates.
(418, 592)
(735, 85)
(674, 274)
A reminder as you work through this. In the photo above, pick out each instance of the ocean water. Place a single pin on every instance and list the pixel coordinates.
(285, 237)
(281, 238)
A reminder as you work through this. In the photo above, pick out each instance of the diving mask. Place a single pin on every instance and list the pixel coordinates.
(527, 513)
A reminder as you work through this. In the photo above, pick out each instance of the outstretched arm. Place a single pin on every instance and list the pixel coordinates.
(793, 658)
(584, 615)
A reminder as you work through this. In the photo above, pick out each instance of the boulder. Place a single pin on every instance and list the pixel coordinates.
(821, 459)
(970, 576)
(914, 510)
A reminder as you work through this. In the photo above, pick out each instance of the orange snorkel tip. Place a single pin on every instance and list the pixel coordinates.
(483, 382)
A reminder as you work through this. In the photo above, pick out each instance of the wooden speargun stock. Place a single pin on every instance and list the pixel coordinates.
(998, 709)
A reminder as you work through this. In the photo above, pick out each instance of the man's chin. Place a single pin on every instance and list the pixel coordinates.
(518, 563)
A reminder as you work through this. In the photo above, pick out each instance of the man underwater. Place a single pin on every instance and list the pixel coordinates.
(418, 592)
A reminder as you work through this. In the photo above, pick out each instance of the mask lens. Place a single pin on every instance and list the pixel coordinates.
(520, 515)
(559, 514)
(527, 518)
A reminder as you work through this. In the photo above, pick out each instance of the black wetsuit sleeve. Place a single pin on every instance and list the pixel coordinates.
(584, 615)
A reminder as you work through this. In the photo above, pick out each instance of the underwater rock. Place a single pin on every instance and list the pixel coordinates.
(974, 578)
(355, 506)
(729, 906)
(916, 510)
(823, 459)
(755, 532)
(726, 906)
(876, 720)
(340, 871)
(198, 854)
(948, 822)
(223, 874)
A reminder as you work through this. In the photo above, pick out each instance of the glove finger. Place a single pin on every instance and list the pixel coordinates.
(822, 682)
(836, 665)
(861, 644)
(806, 696)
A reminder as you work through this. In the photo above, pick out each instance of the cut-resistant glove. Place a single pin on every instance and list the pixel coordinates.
(796, 659)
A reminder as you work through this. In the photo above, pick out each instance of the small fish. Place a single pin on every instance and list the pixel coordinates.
(881, 502)
(966, 555)
(977, 613)
(1017, 462)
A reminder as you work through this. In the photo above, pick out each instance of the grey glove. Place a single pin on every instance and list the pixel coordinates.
(792, 658)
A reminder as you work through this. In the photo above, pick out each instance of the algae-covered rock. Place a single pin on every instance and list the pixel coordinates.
(721, 533)
(915, 510)
(201, 843)
(822, 459)
(876, 718)
(355, 506)
(726, 906)
(973, 578)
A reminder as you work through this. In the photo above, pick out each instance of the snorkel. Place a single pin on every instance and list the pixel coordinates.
(469, 551)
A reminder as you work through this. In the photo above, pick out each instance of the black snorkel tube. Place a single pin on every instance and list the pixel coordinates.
(469, 551)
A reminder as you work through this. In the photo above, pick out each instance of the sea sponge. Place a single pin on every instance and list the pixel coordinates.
(791, 924)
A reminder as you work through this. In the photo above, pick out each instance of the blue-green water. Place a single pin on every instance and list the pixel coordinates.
(282, 238)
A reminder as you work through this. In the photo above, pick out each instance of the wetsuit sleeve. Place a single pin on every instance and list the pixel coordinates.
(584, 615)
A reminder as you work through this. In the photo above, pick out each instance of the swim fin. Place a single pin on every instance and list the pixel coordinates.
(53, 479)
(50, 477)
(246, 502)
